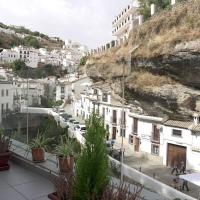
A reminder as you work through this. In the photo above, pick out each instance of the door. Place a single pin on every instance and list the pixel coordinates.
(114, 132)
(137, 144)
(176, 153)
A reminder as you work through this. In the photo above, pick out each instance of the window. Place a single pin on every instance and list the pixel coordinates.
(155, 133)
(2, 93)
(62, 89)
(155, 149)
(135, 125)
(2, 108)
(114, 117)
(176, 132)
(7, 92)
(105, 97)
(130, 139)
(95, 91)
(7, 107)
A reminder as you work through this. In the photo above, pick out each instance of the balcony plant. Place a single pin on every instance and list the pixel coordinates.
(38, 147)
(4, 151)
(64, 152)
(64, 186)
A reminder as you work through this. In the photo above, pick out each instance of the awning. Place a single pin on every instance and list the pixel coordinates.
(192, 178)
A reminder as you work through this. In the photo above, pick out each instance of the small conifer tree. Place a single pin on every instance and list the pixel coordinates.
(92, 165)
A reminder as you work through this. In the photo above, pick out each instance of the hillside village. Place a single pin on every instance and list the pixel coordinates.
(143, 85)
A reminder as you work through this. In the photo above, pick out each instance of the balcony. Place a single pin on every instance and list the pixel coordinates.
(155, 137)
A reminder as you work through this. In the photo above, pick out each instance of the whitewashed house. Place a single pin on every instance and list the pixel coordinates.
(8, 56)
(181, 142)
(63, 91)
(29, 55)
(6, 98)
(169, 140)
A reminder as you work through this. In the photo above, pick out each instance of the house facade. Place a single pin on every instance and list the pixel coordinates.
(29, 55)
(124, 22)
(169, 140)
(6, 98)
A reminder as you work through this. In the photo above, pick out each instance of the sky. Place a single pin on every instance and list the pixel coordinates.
(85, 21)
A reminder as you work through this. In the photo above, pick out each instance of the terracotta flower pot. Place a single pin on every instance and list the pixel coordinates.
(4, 157)
(53, 196)
(38, 155)
(64, 165)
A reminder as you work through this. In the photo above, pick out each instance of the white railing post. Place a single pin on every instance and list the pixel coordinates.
(153, 9)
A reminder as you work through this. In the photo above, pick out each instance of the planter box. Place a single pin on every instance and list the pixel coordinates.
(4, 157)
(53, 196)
(38, 155)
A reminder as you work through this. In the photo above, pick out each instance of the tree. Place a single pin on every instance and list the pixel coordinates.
(83, 60)
(145, 6)
(92, 165)
(32, 41)
(18, 65)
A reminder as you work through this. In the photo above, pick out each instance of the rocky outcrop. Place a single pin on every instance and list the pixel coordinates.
(183, 64)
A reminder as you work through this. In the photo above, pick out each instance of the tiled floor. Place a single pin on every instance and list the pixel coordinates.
(19, 183)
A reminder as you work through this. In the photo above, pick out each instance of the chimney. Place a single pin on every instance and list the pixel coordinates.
(196, 118)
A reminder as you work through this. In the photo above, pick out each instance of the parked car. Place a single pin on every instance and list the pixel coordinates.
(75, 123)
(70, 121)
(66, 116)
(61, 111)
(81, 128)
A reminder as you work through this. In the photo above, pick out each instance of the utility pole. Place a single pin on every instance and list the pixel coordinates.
(123, 118)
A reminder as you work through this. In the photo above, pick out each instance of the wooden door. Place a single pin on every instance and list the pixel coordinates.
(137, 144)
(114, 133)
(176, 153)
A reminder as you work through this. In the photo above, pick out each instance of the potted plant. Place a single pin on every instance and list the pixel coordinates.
(4, 152)
(64, 185)
(65, 155)
(38, 147)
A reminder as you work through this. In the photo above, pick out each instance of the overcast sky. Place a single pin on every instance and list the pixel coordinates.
(86, 21)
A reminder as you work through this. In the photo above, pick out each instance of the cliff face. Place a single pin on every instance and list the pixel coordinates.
(182, 64)
(163, 63)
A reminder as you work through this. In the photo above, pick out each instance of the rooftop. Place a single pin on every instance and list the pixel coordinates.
(179, 124)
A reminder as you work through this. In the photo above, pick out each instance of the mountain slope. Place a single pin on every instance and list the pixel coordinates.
(163, 62)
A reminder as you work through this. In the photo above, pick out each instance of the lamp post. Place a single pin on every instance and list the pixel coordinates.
(123, 62)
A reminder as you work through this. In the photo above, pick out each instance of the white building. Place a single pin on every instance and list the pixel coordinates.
(6, 98)
(63, 91)
(29, 55)
(168, 140)
(124, 22)
(8, 56)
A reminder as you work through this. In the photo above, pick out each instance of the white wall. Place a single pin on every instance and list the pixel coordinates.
(6, 98)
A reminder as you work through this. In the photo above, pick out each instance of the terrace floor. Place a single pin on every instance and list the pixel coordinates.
(19, 183)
